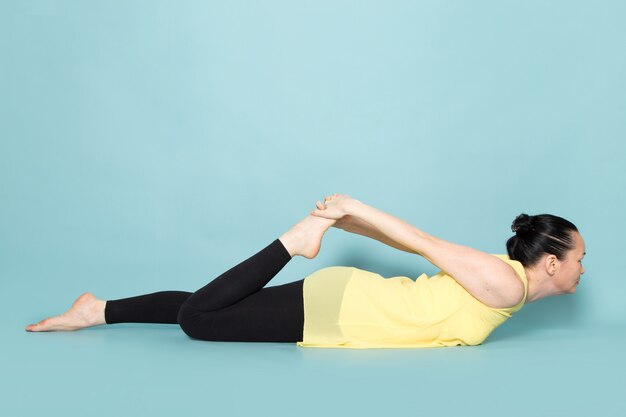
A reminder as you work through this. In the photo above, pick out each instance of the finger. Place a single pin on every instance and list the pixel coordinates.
(319, 205)
(318, 213)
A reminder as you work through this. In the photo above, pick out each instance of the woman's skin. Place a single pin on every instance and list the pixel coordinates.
(549, 276)
(303, 239)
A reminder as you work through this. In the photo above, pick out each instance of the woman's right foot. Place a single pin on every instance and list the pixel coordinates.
(305, 237)
(86, 311)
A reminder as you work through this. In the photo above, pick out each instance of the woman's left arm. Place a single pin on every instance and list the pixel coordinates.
(359, 226)
(489, 279)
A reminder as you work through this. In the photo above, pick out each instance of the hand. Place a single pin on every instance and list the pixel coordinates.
(334, 207)
(347, 223)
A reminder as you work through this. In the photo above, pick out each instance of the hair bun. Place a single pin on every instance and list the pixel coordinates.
(522, 224)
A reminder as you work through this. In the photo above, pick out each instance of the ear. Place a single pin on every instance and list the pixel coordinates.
(551, 264)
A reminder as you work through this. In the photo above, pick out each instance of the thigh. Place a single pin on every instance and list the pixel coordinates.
(272, 314)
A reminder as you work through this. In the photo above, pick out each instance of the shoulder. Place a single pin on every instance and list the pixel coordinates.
(513, 286)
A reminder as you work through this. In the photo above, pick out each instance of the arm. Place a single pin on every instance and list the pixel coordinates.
(358, 226)
(489, 279)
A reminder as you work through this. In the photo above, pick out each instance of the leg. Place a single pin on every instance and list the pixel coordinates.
(87, 311)
(230, 287)
(302, 239)
(234, 306)
(164, 306)
(157, 307)
(241, 280)
(272, 314)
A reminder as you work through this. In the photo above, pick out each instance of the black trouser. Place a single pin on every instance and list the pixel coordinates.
(233, 307)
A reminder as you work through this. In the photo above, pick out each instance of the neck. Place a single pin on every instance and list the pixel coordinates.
(536, 286)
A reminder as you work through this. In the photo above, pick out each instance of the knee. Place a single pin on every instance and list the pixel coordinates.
(187, 320)
(196, 324)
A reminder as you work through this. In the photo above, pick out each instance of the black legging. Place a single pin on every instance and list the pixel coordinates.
(233, 307)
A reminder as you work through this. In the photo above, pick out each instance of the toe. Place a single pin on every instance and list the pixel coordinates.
(33, 327)
(41, 326)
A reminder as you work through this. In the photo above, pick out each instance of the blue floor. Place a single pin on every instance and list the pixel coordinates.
(156, 370)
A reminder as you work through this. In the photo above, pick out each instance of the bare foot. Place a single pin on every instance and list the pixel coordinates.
(86, 311)
(305, 237)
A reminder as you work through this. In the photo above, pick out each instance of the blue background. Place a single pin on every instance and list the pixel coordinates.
(151, 145)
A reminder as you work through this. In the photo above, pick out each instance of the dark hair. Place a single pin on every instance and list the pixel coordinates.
(538, 235)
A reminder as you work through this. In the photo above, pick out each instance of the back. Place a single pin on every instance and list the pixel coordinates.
(353, 308)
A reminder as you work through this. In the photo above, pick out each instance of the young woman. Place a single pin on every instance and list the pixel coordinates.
(347, 307)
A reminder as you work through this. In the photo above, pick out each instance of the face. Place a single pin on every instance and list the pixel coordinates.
(569, 271)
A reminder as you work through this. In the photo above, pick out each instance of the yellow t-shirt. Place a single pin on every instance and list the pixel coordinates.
(347, 307)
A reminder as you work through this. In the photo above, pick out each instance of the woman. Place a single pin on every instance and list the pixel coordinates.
(348, 307)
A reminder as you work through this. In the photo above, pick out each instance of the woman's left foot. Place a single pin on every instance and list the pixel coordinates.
(86, 311)
(305, 238)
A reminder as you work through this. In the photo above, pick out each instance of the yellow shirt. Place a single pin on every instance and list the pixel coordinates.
(346, 307)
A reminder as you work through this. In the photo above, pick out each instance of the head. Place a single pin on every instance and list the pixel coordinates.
(549, 245)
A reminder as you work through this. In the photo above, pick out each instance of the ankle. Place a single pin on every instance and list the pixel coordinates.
(99, 317)
(289, 245)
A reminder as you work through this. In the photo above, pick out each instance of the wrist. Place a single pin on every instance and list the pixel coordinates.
(351, 207)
